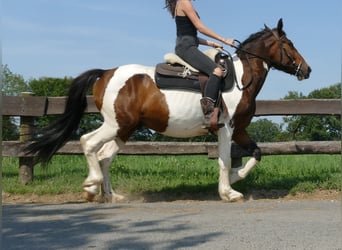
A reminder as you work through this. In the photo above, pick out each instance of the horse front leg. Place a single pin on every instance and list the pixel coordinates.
(226, 192)
(250, 146)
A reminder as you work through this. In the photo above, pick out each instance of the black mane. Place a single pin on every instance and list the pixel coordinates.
(256, 36)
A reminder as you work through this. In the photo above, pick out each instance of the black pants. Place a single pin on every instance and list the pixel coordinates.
(187, 49)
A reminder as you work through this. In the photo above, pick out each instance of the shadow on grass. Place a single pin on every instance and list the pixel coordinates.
(183, 192)
(251, 188)
(210, 193)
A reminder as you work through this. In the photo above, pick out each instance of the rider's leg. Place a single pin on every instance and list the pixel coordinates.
(187, 49)
(209, 99)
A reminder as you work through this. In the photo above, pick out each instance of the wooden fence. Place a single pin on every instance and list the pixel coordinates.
(28, 107)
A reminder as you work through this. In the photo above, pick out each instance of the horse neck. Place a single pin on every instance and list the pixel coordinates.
(255, 73)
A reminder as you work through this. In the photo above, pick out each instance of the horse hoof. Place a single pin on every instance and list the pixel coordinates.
(118, 198)
(236, 198)
(90, 188)
(90, 192)
(239, 199)
(232, 196)
(89, 196)
(113, 198)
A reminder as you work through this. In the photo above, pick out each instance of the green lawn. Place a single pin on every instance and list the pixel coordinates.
(179, 175)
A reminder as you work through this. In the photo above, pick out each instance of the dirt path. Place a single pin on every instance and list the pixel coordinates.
(257, 195)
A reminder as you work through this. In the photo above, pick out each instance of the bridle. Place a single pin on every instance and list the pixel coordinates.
(296, 68)
(292, 68)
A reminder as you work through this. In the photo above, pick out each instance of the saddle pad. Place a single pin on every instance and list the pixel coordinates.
(172, 58)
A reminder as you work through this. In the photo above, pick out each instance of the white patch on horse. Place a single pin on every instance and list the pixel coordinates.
(185, 117)
(232, 98)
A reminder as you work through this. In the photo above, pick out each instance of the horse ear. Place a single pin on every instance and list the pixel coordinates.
(280, 26)
(266, 27)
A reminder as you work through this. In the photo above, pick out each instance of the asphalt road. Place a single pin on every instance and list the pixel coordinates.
(174, 225)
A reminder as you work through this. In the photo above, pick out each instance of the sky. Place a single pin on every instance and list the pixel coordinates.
(58, 38)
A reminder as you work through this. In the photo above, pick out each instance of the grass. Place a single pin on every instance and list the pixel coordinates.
(178, 175)
(300, 173)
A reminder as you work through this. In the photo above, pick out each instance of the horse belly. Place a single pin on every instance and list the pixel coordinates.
(185, 114)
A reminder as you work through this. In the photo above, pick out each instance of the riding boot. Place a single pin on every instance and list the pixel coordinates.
(210, 111)
(211, 114)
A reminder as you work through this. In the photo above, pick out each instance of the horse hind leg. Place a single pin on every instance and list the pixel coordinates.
(91, 144)
(105, 156)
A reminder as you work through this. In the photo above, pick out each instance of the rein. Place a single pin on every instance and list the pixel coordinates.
(249, 66)
(252, 54)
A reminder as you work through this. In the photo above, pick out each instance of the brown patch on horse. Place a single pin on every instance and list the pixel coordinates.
(100, 87)
(246, 108)
(140, 104)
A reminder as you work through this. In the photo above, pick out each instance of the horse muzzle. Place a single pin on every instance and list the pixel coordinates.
(302, 73)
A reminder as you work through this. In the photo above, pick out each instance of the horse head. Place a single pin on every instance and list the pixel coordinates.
(283, 54)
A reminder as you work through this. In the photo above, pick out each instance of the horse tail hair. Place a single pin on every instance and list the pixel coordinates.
(55, 135)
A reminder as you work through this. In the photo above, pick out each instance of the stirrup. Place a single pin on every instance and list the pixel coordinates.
(212, 124)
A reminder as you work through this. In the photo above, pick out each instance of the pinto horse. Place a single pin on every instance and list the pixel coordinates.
(128, 98)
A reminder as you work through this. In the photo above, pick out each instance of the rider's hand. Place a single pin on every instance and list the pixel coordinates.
(217, 45)
(228, 41)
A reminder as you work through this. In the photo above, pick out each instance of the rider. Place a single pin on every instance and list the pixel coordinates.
(188, 23)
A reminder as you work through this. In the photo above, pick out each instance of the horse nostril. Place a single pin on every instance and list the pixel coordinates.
(307, 75)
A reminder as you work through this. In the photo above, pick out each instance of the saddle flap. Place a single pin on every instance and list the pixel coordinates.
(175, 70)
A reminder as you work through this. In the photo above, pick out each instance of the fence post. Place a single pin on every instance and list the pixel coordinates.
(26, 164)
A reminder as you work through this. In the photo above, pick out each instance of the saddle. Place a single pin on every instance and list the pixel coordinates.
(175, 73)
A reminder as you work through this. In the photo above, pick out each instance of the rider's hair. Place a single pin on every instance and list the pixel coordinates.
(170, 5)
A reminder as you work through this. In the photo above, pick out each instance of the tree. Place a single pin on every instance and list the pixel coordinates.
(47, 86)
(264, 130)
(12, 85)
(315, 127)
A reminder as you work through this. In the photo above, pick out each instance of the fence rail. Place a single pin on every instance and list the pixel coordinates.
(16, 148)
(39, 106)
(28, 107)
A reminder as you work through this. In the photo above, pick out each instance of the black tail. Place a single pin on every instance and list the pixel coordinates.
(54, 136)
